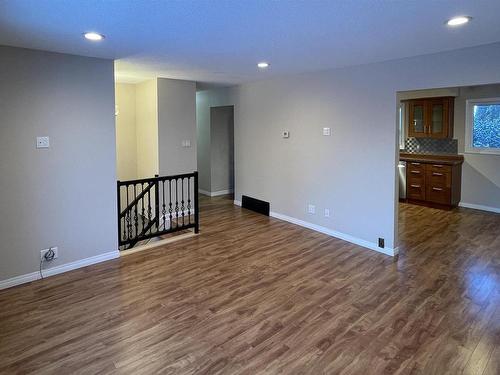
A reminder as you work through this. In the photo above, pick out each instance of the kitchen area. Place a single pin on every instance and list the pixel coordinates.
(450, 147)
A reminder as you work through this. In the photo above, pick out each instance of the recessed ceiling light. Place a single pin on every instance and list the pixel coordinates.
(263, 65)
(457, 21)
(95, 37)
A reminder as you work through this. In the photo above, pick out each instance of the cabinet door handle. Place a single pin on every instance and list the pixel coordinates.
(437, 165)
(437, 189)
(436, 174)
(415, 163)
(415, 186)
(416, 172)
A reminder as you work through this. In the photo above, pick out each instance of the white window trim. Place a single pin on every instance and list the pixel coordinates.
(469, 113)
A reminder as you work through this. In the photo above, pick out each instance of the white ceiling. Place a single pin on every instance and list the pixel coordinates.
(220, 42)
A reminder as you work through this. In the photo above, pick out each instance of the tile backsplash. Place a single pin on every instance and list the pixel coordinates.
(431, 146)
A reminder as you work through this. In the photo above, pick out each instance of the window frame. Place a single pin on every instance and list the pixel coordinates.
(469, 126)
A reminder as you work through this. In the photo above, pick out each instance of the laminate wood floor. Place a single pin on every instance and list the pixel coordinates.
(255, 295)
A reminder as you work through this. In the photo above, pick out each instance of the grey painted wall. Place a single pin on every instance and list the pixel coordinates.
(221, 148)
(63, 196)
(352, 172)
(176, 122)
(480, 172)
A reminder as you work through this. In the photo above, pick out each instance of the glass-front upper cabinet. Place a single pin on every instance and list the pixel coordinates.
(417, 119)
(431, 118)
(438, 112)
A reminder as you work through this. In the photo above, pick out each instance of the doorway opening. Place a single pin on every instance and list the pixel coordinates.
(218, 164)
(449, 145)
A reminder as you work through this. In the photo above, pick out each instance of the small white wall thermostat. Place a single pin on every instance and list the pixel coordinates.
(326, 131)
(42, 142)
(285, 134)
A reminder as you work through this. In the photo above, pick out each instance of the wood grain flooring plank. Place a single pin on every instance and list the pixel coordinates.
(256, 295)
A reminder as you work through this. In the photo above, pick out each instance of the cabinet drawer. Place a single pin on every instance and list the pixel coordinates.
(415, 189)
(438, 194)
(415, 169)
(438, 168)
(438, 178)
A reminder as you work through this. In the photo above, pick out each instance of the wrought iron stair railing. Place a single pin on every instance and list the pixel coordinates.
(152, 207)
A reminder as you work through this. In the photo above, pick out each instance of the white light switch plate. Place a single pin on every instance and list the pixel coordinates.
(326, 131)
(42, 142)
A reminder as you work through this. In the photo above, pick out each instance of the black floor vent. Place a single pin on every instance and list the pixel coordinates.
(255, 205)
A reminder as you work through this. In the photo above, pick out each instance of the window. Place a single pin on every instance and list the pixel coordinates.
(401, 121)
(482, 130)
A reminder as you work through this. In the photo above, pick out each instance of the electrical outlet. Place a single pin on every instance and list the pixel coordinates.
(326, 131)
(311, 209)
(44, 251)
(327, 212)
(381, 243)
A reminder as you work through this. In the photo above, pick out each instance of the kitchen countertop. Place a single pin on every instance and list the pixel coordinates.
(449, 159)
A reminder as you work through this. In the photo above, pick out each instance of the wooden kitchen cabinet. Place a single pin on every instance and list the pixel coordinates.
(433, 180)
(415, 180)
(431, 117)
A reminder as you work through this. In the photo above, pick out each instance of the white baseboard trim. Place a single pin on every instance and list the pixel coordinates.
(22, 279)
(336, 234)
(222, 192)
(333, 233)
(204, 192)
(215, 193)
(480, 207)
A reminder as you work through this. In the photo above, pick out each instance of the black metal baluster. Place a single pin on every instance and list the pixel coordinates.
(170, 202)
(176, 203)
(189, 200)
(136, 218)
(163, 209)
(196, 205)
(149, 207)
(143, 209)
(157, 203)
(182, 201)
(127, 215)
(125, 224)
(119, 208)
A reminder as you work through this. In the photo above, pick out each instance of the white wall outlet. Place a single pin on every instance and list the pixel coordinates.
(42, 142)
(285, 134)
(326, 131)
(311, 208)
(44, 251)
(327, 212)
